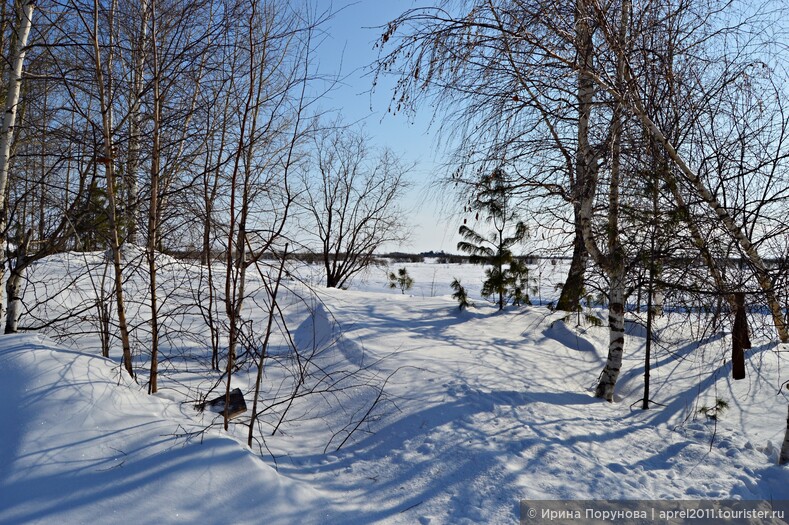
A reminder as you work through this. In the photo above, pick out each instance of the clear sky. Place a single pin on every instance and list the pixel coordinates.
(347, 49)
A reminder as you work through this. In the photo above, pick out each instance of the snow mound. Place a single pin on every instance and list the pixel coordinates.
(79, 448)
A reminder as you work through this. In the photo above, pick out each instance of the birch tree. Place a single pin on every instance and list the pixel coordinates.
(23, 22)
(502, 100)
(276, 47)
(629, 95)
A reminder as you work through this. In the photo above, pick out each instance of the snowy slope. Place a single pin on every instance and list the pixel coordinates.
(482, 409)
(79, 448)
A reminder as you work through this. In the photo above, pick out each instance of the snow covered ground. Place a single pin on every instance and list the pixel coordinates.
(480, 410)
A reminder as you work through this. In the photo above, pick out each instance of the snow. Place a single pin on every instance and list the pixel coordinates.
(480, 410)
(79, 448)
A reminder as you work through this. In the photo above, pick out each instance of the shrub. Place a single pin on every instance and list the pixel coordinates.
(402, 280)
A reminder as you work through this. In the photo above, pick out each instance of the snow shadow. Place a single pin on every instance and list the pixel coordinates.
(438, 453)
(559, 331)
(319, 333)
(421, 462)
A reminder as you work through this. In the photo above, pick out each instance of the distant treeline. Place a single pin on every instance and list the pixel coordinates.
(398, 257)
(447, 258)
(442, 257)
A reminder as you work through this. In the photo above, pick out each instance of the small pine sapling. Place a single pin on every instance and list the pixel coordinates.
(492, 202)
(460, 294)
(401, 280)
(715, 410)
(518, 283)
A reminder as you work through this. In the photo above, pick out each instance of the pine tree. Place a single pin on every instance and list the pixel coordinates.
(518, 282)
(460, 294)
(492, 200)
(402, 280)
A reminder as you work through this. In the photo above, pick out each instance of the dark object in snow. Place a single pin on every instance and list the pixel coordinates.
(784, 457)
(739, 338)
(237, 404)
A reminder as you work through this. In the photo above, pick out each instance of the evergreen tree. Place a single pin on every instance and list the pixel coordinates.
(518, 282)
(402, 280)
(495, 249)
(460, 294)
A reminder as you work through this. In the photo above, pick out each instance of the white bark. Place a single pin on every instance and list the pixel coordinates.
(13, 286)
(13, 289)
(612, 260)
(24, 15)
(616, 337)
(135, 125)
(24, 22)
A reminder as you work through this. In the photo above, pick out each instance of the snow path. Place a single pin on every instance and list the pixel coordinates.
(496, 407)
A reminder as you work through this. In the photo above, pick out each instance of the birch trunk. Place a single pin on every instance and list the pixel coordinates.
(109, 164)
(616, 335)
(14, 285)
(153, 208)
(135, 124)
(24, 22)
(611, 261)
(616, 263)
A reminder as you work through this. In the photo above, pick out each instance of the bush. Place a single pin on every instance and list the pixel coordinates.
(402, 280)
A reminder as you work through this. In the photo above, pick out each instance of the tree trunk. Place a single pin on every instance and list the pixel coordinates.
(135, 125)
(740, 339)
(573, 289)
(109, 164)
(616, 337)
(784, 459)
(612, 262)
(24, 22)
(13, 289)
(650, 316)
(14, 284)
(262, 358)
(153, 207)
(236, 241)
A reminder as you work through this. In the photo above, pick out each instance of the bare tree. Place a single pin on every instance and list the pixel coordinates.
(350, 196)
(276, 51)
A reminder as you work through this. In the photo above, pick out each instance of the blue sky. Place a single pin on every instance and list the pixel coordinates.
(347, 50)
